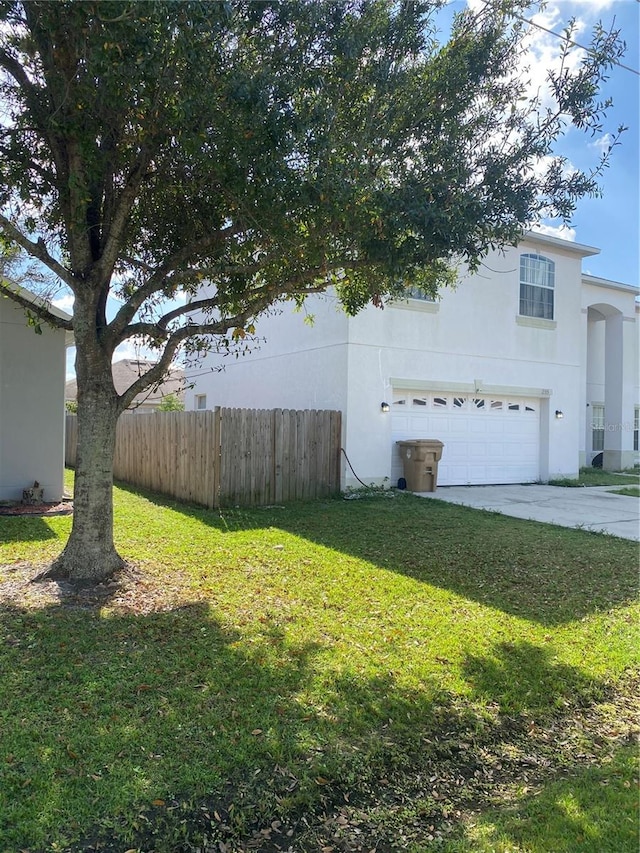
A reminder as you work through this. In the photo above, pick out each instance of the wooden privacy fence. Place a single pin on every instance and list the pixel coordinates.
(227, 456)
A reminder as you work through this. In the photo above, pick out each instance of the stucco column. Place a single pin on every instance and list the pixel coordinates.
(584, 422)
(618, 400)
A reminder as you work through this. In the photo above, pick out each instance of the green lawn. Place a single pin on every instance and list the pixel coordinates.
(388, 674)
(630, 491)
(598, 477)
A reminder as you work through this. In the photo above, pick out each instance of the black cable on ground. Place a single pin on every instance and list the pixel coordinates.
(353, 472)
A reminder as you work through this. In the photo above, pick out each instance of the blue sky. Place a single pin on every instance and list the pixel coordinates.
(610, 223)
(613, 222)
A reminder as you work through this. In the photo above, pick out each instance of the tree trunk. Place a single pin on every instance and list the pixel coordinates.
(90, 555)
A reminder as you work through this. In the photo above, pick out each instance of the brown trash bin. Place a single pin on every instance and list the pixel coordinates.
(420, 457)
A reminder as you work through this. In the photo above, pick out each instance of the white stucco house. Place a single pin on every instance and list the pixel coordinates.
(526, 371)
(32, 413)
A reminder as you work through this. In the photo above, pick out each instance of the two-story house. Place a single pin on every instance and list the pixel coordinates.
(526, 370)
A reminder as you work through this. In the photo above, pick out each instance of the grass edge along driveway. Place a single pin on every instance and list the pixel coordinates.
(388, 672)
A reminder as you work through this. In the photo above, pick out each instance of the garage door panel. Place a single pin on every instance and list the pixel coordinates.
(455, 472)
(476, 450)
(458, 426)
(494, 442)
(513, 453)
(477, 473)
(496, 450)
(476, 425)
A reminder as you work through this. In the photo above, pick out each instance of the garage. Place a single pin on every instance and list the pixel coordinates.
(487, 439)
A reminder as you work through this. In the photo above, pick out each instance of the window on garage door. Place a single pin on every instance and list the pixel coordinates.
(416, 400)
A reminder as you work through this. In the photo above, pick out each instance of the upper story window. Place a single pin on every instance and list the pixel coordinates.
(537, 282)
(416, 293)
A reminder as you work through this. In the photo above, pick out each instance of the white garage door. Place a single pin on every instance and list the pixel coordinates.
(487, 439)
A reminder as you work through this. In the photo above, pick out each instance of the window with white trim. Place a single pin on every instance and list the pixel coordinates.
(201, 402)
(537, 283)
(597, 428)
(416, 293)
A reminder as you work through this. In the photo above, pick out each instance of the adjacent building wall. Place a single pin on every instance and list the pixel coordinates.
(32, 377)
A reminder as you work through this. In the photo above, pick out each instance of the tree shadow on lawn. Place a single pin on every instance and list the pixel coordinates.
(539, 572)
(593, 809)
(121, 727)
(27, 528)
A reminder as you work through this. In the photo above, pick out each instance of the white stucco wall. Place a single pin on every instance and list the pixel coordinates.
(472, 340)
(299, 366)
(32, 377)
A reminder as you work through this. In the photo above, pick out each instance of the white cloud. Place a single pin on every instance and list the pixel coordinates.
(562, 232)
(603, 143)
(64, 303)
(594, 6)
(542, 41)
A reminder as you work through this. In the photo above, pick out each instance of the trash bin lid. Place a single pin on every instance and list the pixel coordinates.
(420, 442)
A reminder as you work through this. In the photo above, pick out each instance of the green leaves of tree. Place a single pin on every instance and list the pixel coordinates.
(276, 148)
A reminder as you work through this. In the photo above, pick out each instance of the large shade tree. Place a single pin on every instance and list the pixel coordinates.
(271, 149)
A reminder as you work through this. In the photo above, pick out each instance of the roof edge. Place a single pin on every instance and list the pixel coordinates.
(8, 284)
(597, 281)
(580, 249)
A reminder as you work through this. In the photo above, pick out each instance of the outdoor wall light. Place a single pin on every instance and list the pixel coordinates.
(385, 407)
(559, 414)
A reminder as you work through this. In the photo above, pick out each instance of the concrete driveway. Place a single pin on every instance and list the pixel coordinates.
(593, 508)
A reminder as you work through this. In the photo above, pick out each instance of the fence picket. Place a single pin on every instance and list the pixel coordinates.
(227, 456)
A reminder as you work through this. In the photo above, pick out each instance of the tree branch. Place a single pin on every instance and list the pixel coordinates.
(31, 164)
(158, 279)
(119, 207)
(13, 67)
(33, 96)
(33, 304)
(37, 250)
(262, 298)
(122, 209)
(152, 377)
(203, 245)
(259, 299)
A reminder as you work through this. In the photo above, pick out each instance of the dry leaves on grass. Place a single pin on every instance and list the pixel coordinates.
(131, 590)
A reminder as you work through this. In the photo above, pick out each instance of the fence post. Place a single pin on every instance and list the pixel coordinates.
(217, 458)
